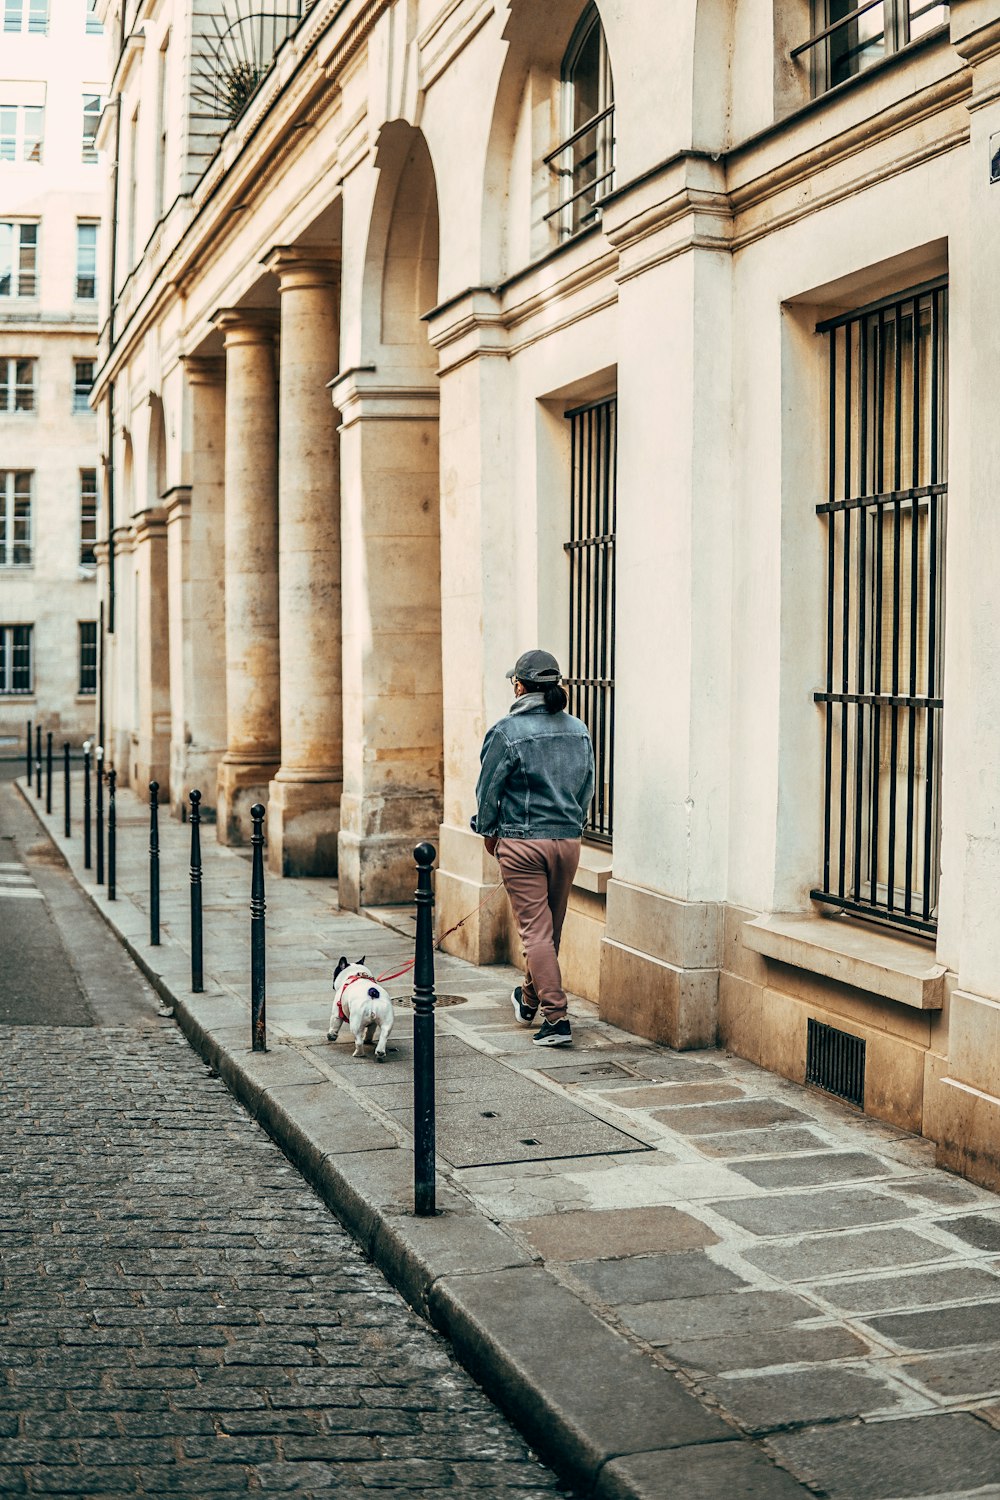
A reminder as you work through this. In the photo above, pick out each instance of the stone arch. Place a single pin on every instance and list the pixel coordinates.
(391, 564)
(156, 453)
(150, 760)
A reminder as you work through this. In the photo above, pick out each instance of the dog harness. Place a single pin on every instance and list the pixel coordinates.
(372, 992)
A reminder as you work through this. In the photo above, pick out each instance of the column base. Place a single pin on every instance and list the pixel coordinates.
(660, 966)
(375, 847)
(238, 787)
(466, 875)
(193, 768)
(303, 824)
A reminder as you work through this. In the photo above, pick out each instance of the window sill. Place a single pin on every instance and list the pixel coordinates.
(897, 968)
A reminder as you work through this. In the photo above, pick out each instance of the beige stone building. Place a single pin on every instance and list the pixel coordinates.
(52, 60)
(659, 335)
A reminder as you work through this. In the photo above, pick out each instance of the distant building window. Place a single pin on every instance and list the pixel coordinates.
(86, 262)
(26, 15)
(91, 119)
(848, 38)
(15, 659)
(22, 129)
(88, 518)
(18, 259)
(15, 517)
(94, 27)
(584, 162)
(17, 385)
(88, 658)
(83, 381)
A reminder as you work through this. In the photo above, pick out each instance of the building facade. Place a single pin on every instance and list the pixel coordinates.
(662, 337)
(51, 96)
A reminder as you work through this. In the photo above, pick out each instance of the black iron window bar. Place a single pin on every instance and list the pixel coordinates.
(885, 518)
(591, 554)
(578, 170)
(843, 63)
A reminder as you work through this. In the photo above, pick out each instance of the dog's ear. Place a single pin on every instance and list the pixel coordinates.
(361, 960)
(342, 963)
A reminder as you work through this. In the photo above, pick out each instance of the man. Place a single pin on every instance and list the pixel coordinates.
(535, 784)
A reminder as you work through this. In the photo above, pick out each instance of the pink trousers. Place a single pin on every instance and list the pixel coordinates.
(537, 876)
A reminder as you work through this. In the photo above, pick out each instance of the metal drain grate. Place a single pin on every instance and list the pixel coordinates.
(835, 1061)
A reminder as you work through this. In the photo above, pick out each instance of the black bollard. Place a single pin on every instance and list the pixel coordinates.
(86, 804)
(258, 1019)
(28, 755)
(38, 760)
(197, 978)
(48, 771)
(154, 867)
(66, 823)
(99, 778)
(423, 1037)
(112, 778)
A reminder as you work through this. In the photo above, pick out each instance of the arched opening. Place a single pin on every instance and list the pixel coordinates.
(150, 760)
(584, 163)
(391, 569)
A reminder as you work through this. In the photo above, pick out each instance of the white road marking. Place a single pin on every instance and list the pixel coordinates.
(20, 890)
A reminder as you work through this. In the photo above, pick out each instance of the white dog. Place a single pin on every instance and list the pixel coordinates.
(361, 1001)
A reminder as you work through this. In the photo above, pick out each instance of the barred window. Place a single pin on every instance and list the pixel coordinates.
(15, 517)
(86, 261)
(885, 523)
(88, 658)
(848, 37)
(16, 660)
(591, 553)
(18, 259)
(83, 383)
(17, 385)
(88, 517)
(584, 161)
(91, 120)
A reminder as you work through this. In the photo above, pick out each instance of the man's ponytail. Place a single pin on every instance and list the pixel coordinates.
(555, 697)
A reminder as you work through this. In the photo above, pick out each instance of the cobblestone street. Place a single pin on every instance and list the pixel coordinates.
(182, 1315)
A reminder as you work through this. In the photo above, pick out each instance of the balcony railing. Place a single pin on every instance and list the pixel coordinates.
(584, 166)
(237, 49)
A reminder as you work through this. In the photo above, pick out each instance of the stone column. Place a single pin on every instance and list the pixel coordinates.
(393, 745)
(304, 806)
(196, 565)
(151, 758)
(251, 552)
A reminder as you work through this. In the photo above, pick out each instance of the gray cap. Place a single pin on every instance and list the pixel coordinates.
(536, 666)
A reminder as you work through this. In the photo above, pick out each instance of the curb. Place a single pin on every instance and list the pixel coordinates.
(597, 1410)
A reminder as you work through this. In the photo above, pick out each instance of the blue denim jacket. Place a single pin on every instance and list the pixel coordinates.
(537, 774)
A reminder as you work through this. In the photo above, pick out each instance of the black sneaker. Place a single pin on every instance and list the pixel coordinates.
(522, 1015)
(553, 1034)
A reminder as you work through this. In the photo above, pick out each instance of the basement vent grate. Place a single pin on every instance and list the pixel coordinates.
(835, 1061)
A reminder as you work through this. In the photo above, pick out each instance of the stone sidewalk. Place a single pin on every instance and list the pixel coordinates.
(677, 1273)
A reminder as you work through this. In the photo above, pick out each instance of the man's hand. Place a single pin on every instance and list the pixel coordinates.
(491, 844)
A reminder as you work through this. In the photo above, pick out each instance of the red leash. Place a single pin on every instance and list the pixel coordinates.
(397, 973)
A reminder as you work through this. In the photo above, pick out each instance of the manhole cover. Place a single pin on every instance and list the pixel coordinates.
(439, 1001)
(585, 1072)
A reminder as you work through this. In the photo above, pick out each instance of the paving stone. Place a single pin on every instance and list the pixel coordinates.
(798, 1213)
(942, 1328)
(981, 1230)
(649, 1278)
(757, 1351)
(706, 1473)
(880, 1293)
(731, 1314)
(608, 1233)
(809, 1171)
(972, 1373)
(740, 1114)
(916, 1456)
(821, 1255)
(941, 1188)
(766, 1403)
